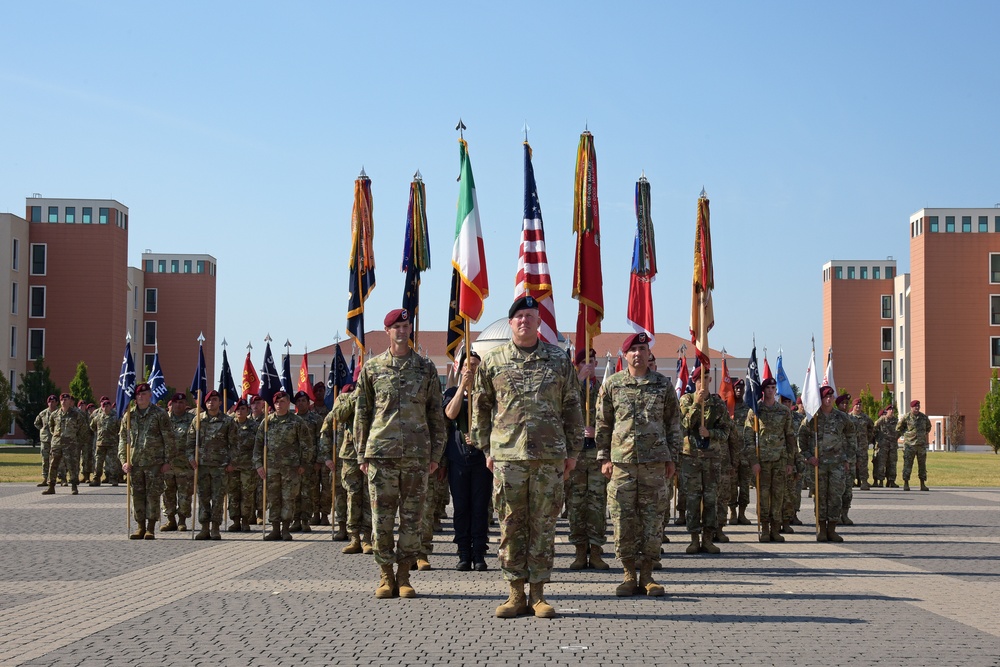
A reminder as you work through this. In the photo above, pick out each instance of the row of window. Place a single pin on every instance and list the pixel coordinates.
(36, 300)
(861, 273)
(934, 224)
(69, 217)
(176, 264)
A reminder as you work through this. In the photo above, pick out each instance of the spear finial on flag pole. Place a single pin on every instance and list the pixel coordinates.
(461, 129)
(526, 128)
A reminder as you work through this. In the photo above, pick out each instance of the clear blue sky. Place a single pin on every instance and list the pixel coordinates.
(238, 128)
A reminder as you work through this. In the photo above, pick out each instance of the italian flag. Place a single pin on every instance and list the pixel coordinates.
(468, 255)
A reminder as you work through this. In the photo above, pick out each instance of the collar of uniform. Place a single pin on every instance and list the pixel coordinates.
(540, 351)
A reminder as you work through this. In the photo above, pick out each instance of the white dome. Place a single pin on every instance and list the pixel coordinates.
(499, 332)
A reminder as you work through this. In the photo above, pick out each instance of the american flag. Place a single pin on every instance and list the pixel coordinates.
(532, 262)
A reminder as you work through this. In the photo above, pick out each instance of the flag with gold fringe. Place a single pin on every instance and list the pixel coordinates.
(702, 284)
(362, 260)
(588, 282)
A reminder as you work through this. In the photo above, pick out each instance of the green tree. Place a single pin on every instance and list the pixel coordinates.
(79, 386)
(989, 414)
(30, 398)
(6, 416)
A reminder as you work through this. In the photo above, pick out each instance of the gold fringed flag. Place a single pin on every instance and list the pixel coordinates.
(588, 283)
(362, 260)
(702, 284)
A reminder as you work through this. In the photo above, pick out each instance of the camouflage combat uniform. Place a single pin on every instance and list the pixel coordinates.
(241, 483)
(837, 444)
(45, 439)
(289, 448)
(70, 433)
(526, 416)
(638, 430)
(728, 471)
(105, 428)
(793, 484)
(740, 486)
(352, 480)
(178, 483)
(214, 437)
(774, 451)
(147, 440)
(866, 435)
(914, 429)
(587, 489)
(886, 449)
(399, 430)
(309, 501)
(851, 454)
(702, 463)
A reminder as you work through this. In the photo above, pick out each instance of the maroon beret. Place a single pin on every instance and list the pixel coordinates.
(581, 354)
(738, 383)
(397, 315)
(842, 399)
(914, 404)
(212, 394)
(640, 338)
(347, 388)
(277, 395)
(825, 391)
(240, 404)
(51, 398)
(768, 382)
(697, 372)
(176, 397)
(142, 387)
(857, 401)
(104, 402)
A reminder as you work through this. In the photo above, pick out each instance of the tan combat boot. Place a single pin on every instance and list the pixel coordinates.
(721, 536)
(403, 579)
(51, 490)
(214, 533)
(386, 583)
(423, 563)
(653, 589)
(595, 558)
(171, 524)
(765, 532)
(516, 603)
(150, 530)
(275, 533)
(203, 533)
(140, 531)
(366, 542)
(821, 534)
(831, 532)
(706, 542)
(537, 601)
(580, 562)
(695, 545)
(776, 535)
(181, 526)
(354, 546)
(629, 585)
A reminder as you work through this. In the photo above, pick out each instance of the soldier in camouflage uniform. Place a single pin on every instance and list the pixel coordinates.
(526, 418)
(739, 496)
(178, 483)
(914, 427)
(105, 425)
(324, 482)
(86, 448)
(210, 439)
(728, 467)
(866, 435)
(399, 430)
(289, 451)
(70, 433)
(705, 423)
(587, 487)
(437, 485)
(44, 437)
(831, 433)
(337, 431)
(842, 403)
(639, 436)
(146, 445)
(241, 478)
(771, 460)
(886, 448)
(793, 483)
(257, 411)
(309, 490)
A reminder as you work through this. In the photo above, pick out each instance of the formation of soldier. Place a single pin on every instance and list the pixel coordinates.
(525, 424)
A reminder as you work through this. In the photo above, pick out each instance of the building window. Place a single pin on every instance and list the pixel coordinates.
(161, 266)
(995, 310)
(15, 254)
(88, 213)
(887, 339)
(13, 344)
(13, 298)
(71, 214)
(949, 223)
(37, 301)
(125, 223)
(864, 273)
(900, 308)
(174, 266)
(36, 344)
(876, 273)
(933, 220)
(996, 224)
(201, 266)
(149, 266)
(887, 371)
(149, 333)
(900, 339)
(38, 252)
(187, 266)
(966, 224)
(886, 306)
(901, 378)
(147, 363)
(150, 299)
(850, 273)
(994, 267)
(889, 272)
(53, 214)
(102, 216)
(35, 214)
(984, 224)
(211, 269)
(995, 352)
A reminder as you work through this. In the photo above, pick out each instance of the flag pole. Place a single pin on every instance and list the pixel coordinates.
(816, 468)
(756, 441)
(333, 473)
(197, 438)
(263, 499)
(128, 475)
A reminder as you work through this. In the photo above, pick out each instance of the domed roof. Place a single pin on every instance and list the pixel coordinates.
(499, 332)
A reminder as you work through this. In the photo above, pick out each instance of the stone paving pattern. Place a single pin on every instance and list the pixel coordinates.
(916, 583)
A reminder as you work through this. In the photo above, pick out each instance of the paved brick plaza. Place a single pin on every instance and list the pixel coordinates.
(917, 583)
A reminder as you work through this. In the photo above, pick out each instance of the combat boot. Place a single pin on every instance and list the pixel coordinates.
(733, 518)
(306, 528)
(629, 585)
(214, 533)
(140, 531)
(314, 520)
(776, 535)
(795, 520)
(786, 528)
(891, 484)
(97, 481)
(479, 562)
(403, 579)
(595, 558)
(236, 526)
(695, 545)
(865, 486)
(742, 518)
(706, 542)
(721, 536)
(681, 519)
(877, 484)
(86, 479)
(580, 562)
(423, 564)
(170, 526)
(821, 534)
(203, 533)
(366, 542)
(516, 603)
(906, 485)
(537, 601)
(923, 486)
(150, 530)
(41, 484)
(324, 519)
(286, 533)
(245, 526)
(386, 583)
(831, 532)
(846, 520)
(296, 526)
(354, 546)
(765, 532)
(341, 534)
(75, 490)
(665, 539)
(51, 490)
(653, 589)
(181, 526)
(275, 533)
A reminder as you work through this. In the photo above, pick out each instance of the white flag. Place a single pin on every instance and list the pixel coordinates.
(811, 400)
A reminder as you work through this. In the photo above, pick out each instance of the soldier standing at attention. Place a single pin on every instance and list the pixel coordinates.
(740, 486)
(834, 432)
(866, 434)
(705, 423)
(526, 418)
(886, 448)
(309, 491)
(793, 483)
(146, 445)
(638, 436)
(241, 478)
(178, 482)
(399, 428)
(914, 427)
(587, 487)
(774, 465)
(44, 437)
(105, 425)
(215, 435)
(351, 479)
(257, 411)
(290, 450)
(851, 454)
(70, 434)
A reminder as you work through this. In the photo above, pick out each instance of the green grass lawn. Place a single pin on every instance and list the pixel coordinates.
(20, 464)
